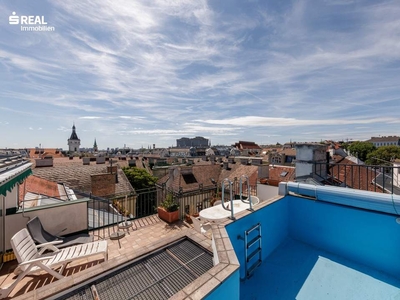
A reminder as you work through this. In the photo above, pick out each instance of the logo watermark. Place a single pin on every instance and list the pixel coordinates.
(30, 23)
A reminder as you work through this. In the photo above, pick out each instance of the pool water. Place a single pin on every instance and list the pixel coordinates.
(319, 250)
(296, 270)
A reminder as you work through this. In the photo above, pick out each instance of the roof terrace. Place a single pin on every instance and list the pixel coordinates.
(148, 234)
(310, 242)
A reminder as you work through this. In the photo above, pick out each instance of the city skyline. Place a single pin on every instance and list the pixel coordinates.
(145, 73)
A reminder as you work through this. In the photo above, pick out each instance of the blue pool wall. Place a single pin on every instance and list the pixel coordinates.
(367, 237)
(274, 225)
(229, 289)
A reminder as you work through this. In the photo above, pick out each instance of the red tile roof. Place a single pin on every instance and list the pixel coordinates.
(78, 176)
(40, 186)
(279, 174)
(202, 176)
(289, 151)
(246, 145)
(237, 170)
(204, 173)
(384, 139)
(45, 152)
(355, 176)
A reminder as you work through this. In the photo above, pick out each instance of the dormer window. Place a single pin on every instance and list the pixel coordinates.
(188, 176)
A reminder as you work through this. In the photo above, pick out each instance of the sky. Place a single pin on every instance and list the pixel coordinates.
(138, 73)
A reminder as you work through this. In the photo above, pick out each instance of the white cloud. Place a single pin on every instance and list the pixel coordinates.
(137, 68)
(254, 121)
(90, 117)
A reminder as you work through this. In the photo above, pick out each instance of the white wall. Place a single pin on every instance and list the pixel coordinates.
(263, 171)
(12, 197)
(265, 192)
(72, 215)
(48, 162)
(72, 144)
(306, 156)
(396, 175)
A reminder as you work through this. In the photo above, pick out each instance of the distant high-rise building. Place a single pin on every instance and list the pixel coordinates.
(197, 141)
(74, 142)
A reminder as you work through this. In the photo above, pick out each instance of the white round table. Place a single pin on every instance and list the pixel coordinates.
(218, 213)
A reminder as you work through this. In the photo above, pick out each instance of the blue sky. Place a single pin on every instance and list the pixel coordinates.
(137, 72)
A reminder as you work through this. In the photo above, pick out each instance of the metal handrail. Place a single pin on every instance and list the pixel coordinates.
(230, 195)
(248, 191)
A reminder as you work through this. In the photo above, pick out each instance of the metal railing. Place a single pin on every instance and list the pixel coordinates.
(104, 212)
(146, 202)
(192, 202)
(382, 179)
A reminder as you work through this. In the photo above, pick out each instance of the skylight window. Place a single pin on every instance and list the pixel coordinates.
(283, 174)
(189, 178)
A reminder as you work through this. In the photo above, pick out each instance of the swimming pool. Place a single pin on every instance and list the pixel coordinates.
(320, 243)
(313, 249)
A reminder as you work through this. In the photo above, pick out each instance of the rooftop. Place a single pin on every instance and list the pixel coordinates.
(350, 223)
(341, 258)
(78, 176)
(147, 234)
(384, 139)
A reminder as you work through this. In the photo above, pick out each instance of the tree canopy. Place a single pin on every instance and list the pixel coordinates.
(139, 178)
(383, 155)
(360, 149)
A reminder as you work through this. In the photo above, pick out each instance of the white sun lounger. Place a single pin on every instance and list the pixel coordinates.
(31, 259)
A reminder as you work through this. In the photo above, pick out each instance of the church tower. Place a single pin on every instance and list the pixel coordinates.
(74, 142)
(95, 149)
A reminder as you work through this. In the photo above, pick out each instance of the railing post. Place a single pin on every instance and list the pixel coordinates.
(392, 168)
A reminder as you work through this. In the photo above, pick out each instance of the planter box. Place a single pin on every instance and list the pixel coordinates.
(188, 219)
(168, 217)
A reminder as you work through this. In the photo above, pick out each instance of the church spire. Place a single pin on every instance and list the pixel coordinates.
(74, 136)
(74, 142)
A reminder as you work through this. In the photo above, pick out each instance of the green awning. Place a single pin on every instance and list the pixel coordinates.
(8, 186)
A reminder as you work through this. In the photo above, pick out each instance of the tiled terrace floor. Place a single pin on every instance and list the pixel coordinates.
(143, 237)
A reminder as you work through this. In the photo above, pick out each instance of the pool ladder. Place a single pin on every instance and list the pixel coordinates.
(252, 249)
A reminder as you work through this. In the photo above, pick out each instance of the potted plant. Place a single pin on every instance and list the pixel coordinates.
(217, 196)
(169, 209)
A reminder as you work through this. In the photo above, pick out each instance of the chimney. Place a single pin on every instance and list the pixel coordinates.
(226, 165)
(307, 155)
(171, 173)
(103, 184)
(244, 161)
(113, 170)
